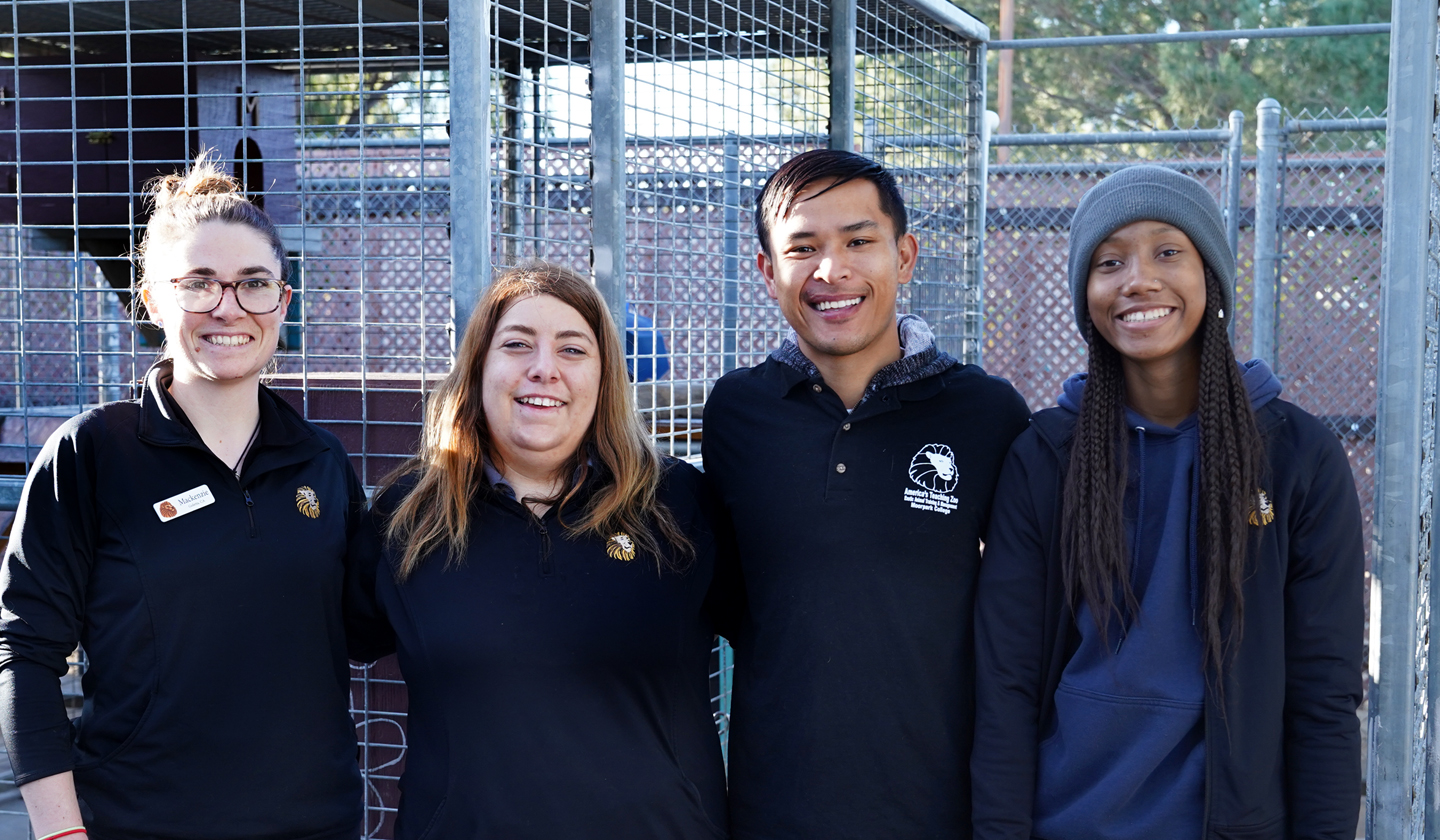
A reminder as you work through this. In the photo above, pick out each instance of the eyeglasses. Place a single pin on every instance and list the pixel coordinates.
(258, 296)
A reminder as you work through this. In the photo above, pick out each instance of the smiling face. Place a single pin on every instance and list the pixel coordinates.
(1146, 293)
(227, 345)
(835, 269)
(540, 384)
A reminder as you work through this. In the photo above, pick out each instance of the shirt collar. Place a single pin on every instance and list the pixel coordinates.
(497, 481)
(504, 487)
(162, 420)
(921, 360)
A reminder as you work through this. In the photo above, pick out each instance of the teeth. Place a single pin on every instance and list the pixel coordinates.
(228, 340)
(1147, 315)
(837, 304)
(544, 402)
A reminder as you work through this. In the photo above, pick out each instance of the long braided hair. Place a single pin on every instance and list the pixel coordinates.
(1231, 456)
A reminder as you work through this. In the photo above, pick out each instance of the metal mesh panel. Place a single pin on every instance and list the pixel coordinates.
(331, 117)
(540, 126)
(707, 117)
(1030, 334)
(919, 97)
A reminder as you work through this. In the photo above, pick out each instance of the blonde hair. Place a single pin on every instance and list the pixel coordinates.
(183, 201)
(449, 467)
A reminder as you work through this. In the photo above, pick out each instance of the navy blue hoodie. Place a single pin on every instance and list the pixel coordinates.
(1124, 756)
(1280, 746)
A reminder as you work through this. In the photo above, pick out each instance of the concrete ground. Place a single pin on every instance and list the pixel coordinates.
(14, 825)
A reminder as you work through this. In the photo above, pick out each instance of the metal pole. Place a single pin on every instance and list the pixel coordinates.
(1232, 195)
(978, 166)
(607, 154)
(731, 290)
(469, 28)
(1267, 258)
(512, 128)
(1200, 135)
(1005, 77)
(1204, 35)
(1398, 805)
(842, 75)
(1352, 124)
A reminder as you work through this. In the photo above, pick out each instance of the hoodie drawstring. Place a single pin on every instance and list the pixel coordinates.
(1139, 524)
(1194, 535)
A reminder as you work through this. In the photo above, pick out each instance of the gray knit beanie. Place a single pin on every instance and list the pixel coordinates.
(1148, 192)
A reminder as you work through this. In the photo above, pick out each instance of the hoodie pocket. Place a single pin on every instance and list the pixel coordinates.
(1272, 830)
(1125, 767)
(121, 744)
(434, 822)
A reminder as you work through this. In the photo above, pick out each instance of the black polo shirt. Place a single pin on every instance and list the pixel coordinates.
(859, 538)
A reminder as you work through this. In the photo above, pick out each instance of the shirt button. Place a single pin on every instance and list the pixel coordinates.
(839, 468)
(816, 388)
(845, 427)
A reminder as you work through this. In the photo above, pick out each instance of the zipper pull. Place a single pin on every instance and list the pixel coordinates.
(1119, 644)
(250, 512)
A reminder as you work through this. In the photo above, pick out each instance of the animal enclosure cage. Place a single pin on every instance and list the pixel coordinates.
(408, 147)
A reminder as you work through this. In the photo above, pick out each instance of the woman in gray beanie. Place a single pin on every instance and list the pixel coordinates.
(1169, 614)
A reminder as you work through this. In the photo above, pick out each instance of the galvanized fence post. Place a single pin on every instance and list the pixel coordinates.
(842, 75)
(607, 150)
(1269, 136)
(1399, 738)
(469, 28)
(730, 294)
(1234, 160)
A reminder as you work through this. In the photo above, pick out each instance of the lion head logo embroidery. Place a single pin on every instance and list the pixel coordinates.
(168, 510)
(1263, 512)
(933, 468)
(307, 502)
(621, 547)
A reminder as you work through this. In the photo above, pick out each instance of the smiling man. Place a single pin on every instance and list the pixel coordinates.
(858, 526)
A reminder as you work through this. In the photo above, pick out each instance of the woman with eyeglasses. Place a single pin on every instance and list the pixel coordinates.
(193, 542)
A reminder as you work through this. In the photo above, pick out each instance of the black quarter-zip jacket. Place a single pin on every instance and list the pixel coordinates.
(859, 543)
(217, 694)
(558, 687)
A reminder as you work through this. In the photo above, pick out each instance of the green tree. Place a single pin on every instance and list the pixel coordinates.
(397, 100)
(1150, 86)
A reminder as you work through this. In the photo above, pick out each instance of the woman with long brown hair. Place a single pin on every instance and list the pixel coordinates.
(548, 578)
(1169, 614)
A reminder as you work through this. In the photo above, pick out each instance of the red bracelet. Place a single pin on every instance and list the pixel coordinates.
(65, 833)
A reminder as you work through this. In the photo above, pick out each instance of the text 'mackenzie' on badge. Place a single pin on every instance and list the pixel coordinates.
(182, 503)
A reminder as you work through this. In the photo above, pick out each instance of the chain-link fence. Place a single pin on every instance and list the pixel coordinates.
(337, 115)
(1327, 303)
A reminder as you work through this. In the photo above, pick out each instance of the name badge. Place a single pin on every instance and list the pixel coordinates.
(179, 505)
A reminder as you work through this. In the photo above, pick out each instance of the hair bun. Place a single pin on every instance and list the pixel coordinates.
(204, 177)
